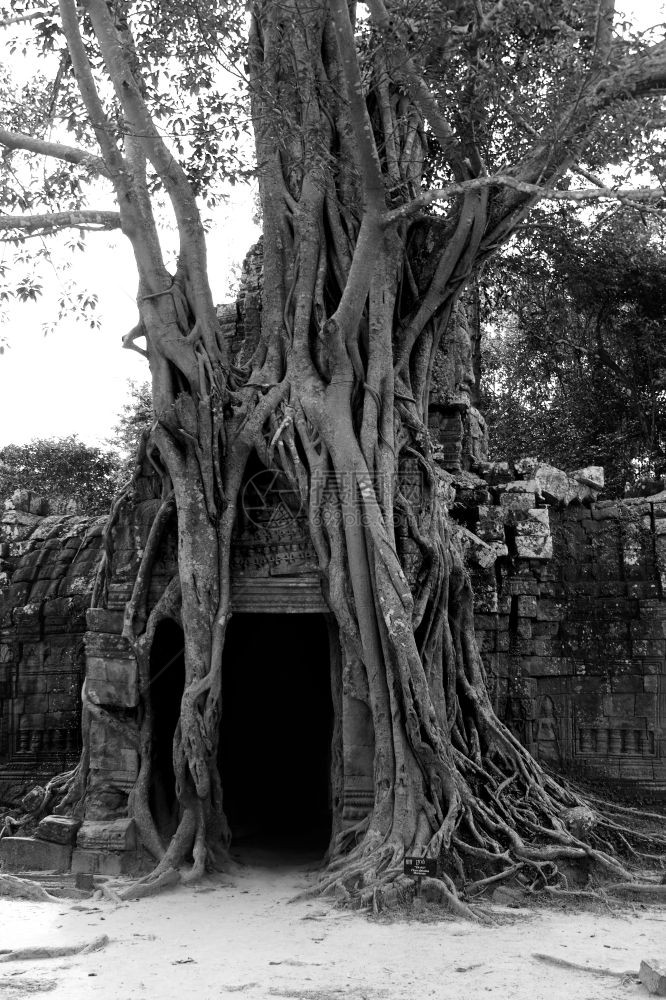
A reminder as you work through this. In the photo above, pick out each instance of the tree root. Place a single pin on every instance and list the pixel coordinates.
(435, 891)
(29, 954)
(594, 969)
(151, 885)
(22, 888)
(647, 892)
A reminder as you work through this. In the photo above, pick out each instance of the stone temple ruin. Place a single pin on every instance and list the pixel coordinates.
(570, 617)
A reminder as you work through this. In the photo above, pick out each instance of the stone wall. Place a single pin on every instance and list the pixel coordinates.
(47, 568)
(571, 619)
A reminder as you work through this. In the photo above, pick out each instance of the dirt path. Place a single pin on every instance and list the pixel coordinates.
(242, 937)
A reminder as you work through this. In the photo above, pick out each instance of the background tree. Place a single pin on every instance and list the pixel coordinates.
(574, 351)
(395, 152)
(136, 417)
(64, 471)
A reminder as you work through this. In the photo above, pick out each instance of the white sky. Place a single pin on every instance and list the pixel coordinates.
(74, 380)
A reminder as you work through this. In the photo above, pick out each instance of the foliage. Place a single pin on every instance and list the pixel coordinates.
(574, 359)
(136, 417)
(63, 470)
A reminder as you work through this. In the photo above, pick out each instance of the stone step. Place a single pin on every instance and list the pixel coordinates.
(19, 855)
(61, 884)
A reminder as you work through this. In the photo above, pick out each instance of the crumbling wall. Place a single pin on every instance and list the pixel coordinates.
(47, 569)
(571, 618)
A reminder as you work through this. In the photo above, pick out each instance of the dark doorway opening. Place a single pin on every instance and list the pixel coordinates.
(167, 681)
(275, 737)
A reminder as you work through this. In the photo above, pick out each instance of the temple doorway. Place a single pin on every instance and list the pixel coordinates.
(275, 737)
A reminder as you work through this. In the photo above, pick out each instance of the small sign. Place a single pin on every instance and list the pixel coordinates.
(420, 867)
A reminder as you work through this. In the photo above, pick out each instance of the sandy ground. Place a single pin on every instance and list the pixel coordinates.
(245, 938)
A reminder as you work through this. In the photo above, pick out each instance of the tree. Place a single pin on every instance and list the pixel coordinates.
(397, 148)
(574, 346)
(62, 470)
(133, 425)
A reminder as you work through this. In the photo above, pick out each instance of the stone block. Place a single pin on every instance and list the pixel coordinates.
(485, 596)
(651, 609)
(652, 974)
(524, 628)
(60, 701)
(526, 467)
(660, 558)
(101, 620)
(541, 666)
(490, 526)
(605, 510)
(23, 854)
(502, 641)
(112, 682)
(549, 610)
(591, 475)
(107, 835)
(526, 607)
(58, 829)
(540, 628)
(518, 501)
(647, 629)
(107, 645)
(619, 705)
(627, 684)
(480, 553)
(645, 705)
(35, 704)
(518, 585)
(555, 486)
(91, 862)
(532, 534)
(648, 647)
(486, 641)
(643, 589)
(496, 472)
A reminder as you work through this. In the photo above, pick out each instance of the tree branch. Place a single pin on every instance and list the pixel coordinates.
(191, 233)
(628, 195)
(137, 224)
(635, 76)
(88, 89)
(21, 18)
(418, 89)
(50, 221)
(371, 171)
(70, 154)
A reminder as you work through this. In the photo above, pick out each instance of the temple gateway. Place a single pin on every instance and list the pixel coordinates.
(570, 617)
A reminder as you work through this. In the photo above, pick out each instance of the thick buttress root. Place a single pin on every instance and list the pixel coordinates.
(508, 820)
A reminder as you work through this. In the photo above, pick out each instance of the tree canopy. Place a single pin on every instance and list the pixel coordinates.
(398, 147)
(574, 350)
(65, 471)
